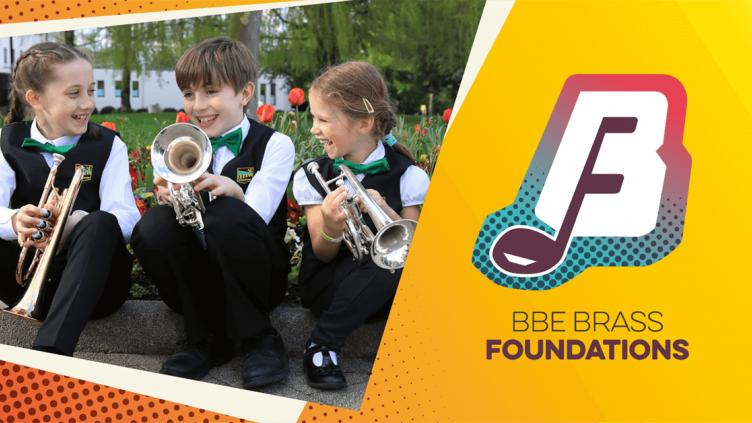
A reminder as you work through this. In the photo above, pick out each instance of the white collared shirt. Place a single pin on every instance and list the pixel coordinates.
(269, 184)
(413, 184)
(115, 192)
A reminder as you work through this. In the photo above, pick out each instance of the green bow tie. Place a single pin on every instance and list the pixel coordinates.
(46, 147)
(373, 168)
(231, 141)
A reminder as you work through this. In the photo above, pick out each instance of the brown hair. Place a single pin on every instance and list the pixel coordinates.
(349, 86)
(229, 62)
(34, 69)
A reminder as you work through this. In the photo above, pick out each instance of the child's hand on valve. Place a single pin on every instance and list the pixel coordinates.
(163, 190)
(218, 186)
(29, 221)
(334, 217)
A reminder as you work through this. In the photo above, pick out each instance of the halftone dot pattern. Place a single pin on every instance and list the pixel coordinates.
(402, 385)
(16, 11)
(32, 395)
(583, 252)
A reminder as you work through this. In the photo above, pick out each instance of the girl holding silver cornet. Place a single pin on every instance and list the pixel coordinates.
(353, 117)
(89, 277)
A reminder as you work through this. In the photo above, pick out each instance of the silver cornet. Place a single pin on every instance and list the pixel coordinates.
(390, 245)
(180, 154)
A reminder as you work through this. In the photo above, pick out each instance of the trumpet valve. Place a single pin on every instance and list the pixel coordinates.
(43, 225)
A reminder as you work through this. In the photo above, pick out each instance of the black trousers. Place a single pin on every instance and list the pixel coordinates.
(227, 290)
(90, 278)
(353, 294)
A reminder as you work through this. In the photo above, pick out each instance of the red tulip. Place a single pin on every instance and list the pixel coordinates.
(417, 128)
(297, 97)
(447, 115)
(423, 134)
(182, 118)
(135, 176)
(265, 113)
(110, 125)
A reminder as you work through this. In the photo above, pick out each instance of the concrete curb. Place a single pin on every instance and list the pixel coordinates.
(151, 328)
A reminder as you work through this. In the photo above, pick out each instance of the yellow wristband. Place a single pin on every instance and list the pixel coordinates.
(330, 239)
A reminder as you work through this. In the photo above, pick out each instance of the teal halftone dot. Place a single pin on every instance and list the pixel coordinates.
(583, 252)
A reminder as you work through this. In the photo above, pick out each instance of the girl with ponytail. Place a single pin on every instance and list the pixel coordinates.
(353, 118)
(90, 275)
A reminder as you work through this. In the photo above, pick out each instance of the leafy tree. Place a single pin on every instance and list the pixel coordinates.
(150, 46)
(298, 42)
(420, 46)
(246, 27)
(70, 38)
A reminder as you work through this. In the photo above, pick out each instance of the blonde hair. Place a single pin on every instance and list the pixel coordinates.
(34, 69)
(353, 87)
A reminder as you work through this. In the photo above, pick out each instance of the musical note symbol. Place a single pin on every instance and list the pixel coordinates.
(526, 251)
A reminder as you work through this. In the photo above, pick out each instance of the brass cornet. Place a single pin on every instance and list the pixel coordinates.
(390, 245)
(180, 154)
(27, 308)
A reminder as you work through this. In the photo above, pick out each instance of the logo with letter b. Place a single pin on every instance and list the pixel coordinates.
(607, 185)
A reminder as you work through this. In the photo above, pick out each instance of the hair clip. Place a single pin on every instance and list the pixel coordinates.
(389, 139)
(369, 108)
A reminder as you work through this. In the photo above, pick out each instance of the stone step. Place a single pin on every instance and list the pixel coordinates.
(151, 328)
(356, 370)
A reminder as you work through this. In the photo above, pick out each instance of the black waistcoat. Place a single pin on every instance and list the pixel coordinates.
(387, 184)
(92, 150)
(248, 162)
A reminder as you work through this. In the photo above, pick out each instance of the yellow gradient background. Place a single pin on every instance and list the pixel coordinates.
(434, 349)
(432, 362)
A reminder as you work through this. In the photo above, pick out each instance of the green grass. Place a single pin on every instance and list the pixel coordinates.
(140, 128)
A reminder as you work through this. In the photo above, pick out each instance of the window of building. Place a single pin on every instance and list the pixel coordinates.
(134, 89)
(274, 93)
(100, 88)
(118, 91)
(262, 94)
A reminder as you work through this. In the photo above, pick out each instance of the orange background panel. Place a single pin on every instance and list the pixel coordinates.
(16, 11)
(28, 395)
(432, 363)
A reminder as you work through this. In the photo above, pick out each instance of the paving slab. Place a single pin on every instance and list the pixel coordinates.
(151, 328)
(356, 370)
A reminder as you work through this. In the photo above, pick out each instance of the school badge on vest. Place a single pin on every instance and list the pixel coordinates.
(88, 169)
(607, 185)
(245, 174)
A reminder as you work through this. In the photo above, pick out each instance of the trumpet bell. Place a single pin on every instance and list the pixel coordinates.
(392, 243)
(21, 314)
(181, 153)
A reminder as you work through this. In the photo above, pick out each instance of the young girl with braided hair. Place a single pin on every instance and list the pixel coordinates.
(90, 275)
(353, 117)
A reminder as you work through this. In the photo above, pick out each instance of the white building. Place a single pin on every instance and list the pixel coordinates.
(159, 88)
(151, 88)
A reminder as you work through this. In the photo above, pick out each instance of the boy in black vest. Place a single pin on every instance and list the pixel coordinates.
(227, 291)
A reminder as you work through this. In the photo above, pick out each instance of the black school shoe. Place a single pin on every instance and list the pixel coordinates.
(195, 360)
(326, 376)
(265, 359)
